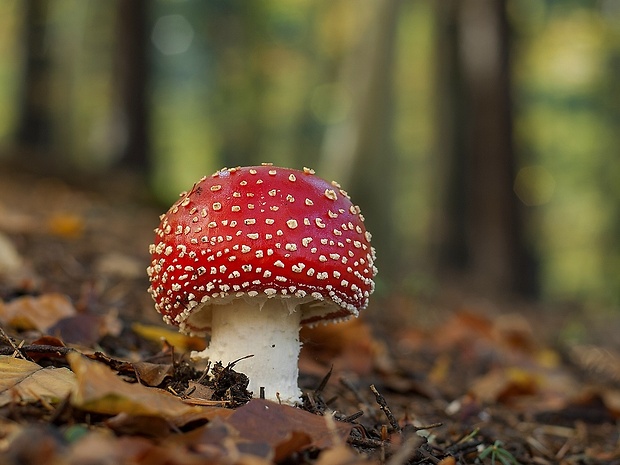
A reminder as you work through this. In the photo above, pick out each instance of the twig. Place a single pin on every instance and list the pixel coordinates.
(365, 442)
(36, 348)
(324, 381)
(352, 418)
(234, 362)
(423, 427)
(205, 373)
(6, 337)
(427, 455)
(466, 444)
(385, 409)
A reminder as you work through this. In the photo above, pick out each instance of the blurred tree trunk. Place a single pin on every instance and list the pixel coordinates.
(132, 77)
(483, 226)
(35, 126)
(236, 31)
(359, 152)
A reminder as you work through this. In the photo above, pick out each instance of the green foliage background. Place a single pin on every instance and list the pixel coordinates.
(237, 82)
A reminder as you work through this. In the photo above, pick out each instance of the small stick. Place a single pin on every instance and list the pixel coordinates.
(386, 410)
(324, 381)
(234, 362)
(9, 340)
(36, 348)
(352, 418)
(365, 442)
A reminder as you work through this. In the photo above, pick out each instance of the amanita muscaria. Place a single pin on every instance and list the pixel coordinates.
(251, 253)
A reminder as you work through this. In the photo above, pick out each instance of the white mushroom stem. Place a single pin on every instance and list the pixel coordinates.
(269, 330)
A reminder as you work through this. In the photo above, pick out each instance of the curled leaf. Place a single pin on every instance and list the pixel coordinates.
(100, 390)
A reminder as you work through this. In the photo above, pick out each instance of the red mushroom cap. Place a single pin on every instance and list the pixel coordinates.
(261, 232)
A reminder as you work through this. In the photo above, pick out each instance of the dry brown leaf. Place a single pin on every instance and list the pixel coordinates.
(38, 313)
(501, 385)
(199, 392)
(509, 334)
(611, 398)
(86, 329)
(264, 421)
(148, 426)
(294, 442)
(100, 390)
(349, 345)
(26, 381)
(219, 442)
(44, 341)
(152, 374)
(599, 360)
(10, 260)
(588, 407)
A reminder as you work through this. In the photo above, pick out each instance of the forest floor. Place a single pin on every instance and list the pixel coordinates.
(90, 375)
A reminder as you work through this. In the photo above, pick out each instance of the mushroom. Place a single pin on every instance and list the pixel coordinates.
(251, 253)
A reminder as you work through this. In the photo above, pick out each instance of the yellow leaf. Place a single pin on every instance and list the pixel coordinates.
(28, 382)
(66, 225)
(173, 337)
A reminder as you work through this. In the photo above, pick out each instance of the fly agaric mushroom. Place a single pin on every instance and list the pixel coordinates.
(251, 253)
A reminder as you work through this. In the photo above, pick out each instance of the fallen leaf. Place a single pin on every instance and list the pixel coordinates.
(261, 420)
(153, 374)
(15, 221)
(100, 390)
(611, 398)
(158, 333)
(86, 329)
(46, 344)
(348, 345)
(294, 442)
(463, 327)
(601, 361)
(588, 408)
(119, 265)
(501, 385)
(37, 313)
(221, 443)
(149, 426)
(66, 225)
(10, 260)
(28, 382)
(46, 340)
(199, 392)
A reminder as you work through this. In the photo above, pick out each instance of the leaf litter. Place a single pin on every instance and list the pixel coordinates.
(88, 374)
